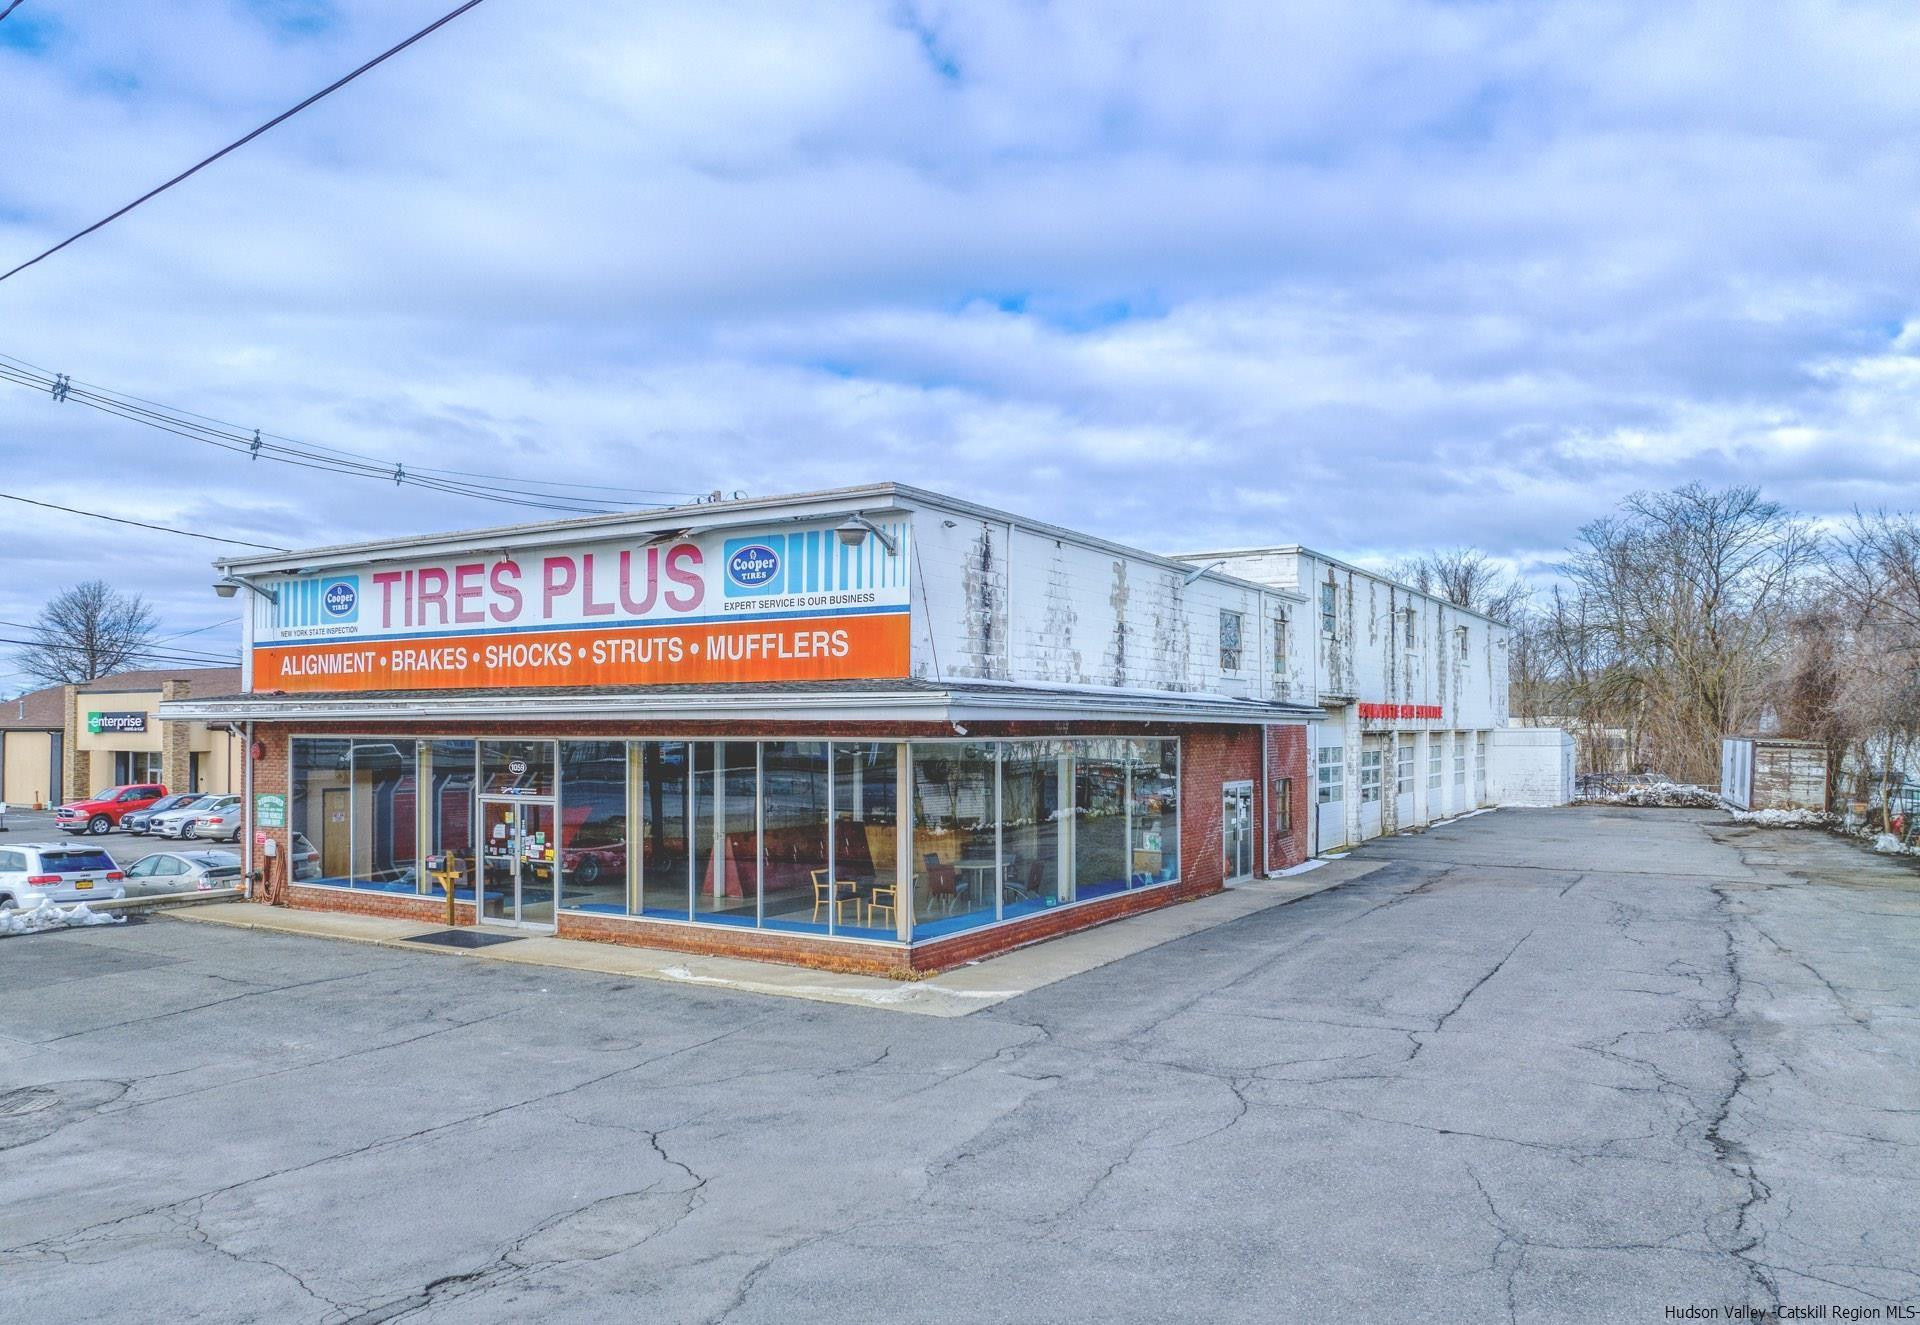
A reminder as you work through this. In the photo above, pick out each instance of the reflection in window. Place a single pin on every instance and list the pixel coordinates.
(663, 789)
(725, 834)
(384, 824)
(866, 843)
(1155, 812)
(1033, 774)
(320, 816)
(593, 827)
(450, 839)
(1100, 823)
(799, 893)
(516, 768)
(954, 857)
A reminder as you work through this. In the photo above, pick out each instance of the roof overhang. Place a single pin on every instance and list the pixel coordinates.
(955, 705)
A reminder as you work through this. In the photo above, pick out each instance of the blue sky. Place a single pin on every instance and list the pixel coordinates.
(1377, 276)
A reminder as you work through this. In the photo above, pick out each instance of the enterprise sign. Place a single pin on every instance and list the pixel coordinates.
(786, 603)
(116, 722)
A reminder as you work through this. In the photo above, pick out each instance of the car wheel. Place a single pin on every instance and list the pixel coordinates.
(6, 901)
(99, 824)
(235, 839)
(587, 871)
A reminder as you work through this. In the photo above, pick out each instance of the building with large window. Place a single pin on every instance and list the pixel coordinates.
(874, 729)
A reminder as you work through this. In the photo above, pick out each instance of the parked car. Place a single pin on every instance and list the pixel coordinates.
(182, 872)
(179, 823)
(59, 872)
(103, 811)
(138, 821)
(304, 862)
(223, 820)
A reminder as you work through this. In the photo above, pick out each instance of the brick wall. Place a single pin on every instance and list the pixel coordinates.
(1210, 755)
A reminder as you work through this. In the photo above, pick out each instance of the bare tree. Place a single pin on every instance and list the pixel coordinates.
(1690, 593)
(87, 632)
(1872, 582)
(1466, 577)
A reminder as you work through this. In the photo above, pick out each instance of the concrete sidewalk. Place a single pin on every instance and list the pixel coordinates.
(951, 994)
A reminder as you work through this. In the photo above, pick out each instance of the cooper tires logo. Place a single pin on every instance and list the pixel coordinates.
(341, 598)
(753, 566)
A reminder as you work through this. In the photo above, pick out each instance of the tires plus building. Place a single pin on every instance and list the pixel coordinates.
(871, 729)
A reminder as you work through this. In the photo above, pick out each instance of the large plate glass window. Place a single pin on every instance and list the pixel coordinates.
(385, 816)
(1099, 818)
(665, 783)
(866, 836)
(1036, 780)
(321, 813)
(593, 826)
(1155, 812)
(726, 805)
(450, 839)
(799, 893)
(956, 862)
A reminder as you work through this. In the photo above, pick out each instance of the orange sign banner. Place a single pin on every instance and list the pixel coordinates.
(830, 648)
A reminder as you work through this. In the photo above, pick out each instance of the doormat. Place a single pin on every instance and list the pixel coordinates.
(464, 938)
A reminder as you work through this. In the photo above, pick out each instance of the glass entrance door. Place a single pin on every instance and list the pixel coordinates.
(1236, 829)
(519, 859)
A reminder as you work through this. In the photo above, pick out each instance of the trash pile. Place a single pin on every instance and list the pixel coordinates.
(49, 916)
(1660, 795)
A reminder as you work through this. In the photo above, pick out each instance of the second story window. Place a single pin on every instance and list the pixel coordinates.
(1229, 641)
(1410, 627)
(1460, 634)
(1280, 643)
(1329, 610)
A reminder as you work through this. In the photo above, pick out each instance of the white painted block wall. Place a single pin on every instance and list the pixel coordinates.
(1529, 766)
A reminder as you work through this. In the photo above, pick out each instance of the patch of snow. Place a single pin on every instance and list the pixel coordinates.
(1663, 795)
(47, 915)
(1304, 867)
(1784, 818)
(1889, 844)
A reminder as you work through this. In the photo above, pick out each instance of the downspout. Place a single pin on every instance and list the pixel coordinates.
(1266, 804)
(246, 780)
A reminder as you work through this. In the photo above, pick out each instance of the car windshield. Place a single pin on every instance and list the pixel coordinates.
(103, 793)
(75, 862)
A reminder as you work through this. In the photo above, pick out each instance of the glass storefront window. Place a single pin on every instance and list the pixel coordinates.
(1155, 812)
(1036, 780)
(1100, 818)
(797, 835)
(866, 836)
(450, 836)
(726, 817)
(956, 862)
(320, 815)
(593, 826)
(665, 779)
(516, 768)
(385, 822)
(798, 891)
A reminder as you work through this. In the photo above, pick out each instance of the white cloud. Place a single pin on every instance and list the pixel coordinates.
(1375, 275)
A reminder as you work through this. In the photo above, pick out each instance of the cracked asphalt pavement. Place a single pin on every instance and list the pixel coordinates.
(1540, 1065)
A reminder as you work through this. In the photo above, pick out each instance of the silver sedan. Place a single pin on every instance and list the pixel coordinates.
(182, 872)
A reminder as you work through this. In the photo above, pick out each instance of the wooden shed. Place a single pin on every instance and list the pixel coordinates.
(1773, 773)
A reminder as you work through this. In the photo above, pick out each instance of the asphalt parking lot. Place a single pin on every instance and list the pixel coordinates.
(1542, 1065)
(125, 848)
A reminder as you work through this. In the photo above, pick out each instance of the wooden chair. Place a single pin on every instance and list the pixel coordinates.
(882, 899)
(838, 896)
(943, 886)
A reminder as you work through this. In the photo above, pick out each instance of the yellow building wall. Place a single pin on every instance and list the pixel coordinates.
(27, 777)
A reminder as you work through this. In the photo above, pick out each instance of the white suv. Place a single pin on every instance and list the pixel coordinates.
(58, 872)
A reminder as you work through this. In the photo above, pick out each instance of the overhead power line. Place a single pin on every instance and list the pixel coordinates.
(10, 8)
(258, 444)
(283, 116)
(140, 524)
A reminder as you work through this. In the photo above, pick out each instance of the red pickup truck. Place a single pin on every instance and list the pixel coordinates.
(101, 812)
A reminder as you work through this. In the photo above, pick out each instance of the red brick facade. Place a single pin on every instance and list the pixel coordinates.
(1210, 756)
